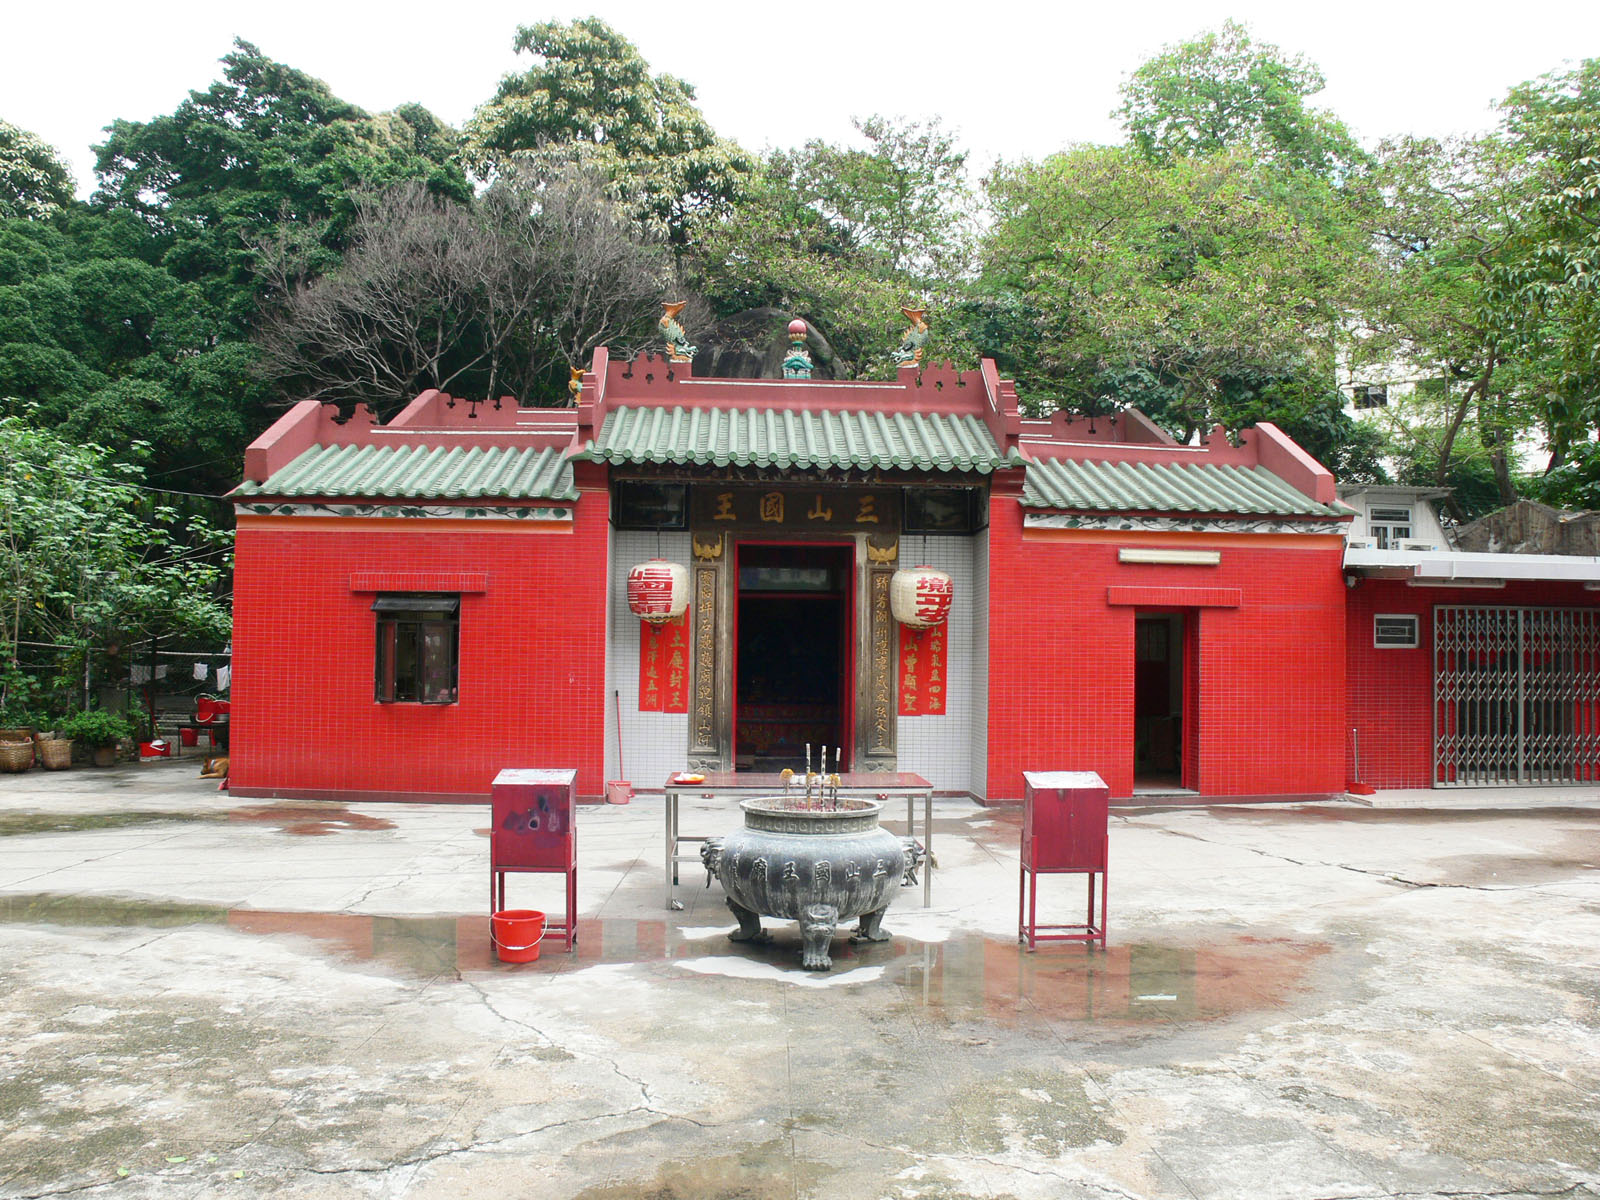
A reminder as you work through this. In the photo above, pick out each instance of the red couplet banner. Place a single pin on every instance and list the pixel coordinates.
(664, 666)
(922, 671)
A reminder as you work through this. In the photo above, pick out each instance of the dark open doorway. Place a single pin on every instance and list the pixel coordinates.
(792, 654)
(1159, 691)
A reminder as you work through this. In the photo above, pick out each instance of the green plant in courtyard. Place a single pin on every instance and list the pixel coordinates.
(95, 727)
(87, 558)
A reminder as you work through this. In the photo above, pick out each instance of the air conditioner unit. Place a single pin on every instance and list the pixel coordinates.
(1359, 543)
(1410, 545)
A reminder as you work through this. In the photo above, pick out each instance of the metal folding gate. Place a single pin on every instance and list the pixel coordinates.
(1516, 695)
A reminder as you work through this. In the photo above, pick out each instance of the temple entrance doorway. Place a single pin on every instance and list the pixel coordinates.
(1160, 733)
(792, 661)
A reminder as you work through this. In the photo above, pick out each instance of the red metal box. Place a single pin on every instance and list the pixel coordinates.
(1064, 820)
(533, 819)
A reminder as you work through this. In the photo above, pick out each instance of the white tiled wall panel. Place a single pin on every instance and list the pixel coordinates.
(979, 741)
(653, 744)
(949, 750)
(941, 748)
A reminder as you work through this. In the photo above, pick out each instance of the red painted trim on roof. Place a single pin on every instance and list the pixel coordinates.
(1173, 597)
(1278, 453)
(307, 424)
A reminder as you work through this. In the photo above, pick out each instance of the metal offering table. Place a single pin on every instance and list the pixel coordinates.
(741, 785)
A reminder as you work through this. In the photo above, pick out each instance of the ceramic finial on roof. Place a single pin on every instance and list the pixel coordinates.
(678, 347)
(915, 340)
(797, 363)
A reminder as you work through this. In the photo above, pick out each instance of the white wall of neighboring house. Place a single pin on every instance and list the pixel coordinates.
(1382, 395)
(1394, 518)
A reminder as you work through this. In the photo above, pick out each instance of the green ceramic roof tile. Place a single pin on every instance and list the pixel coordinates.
(1079, 486)
(422, 472)
(797, 438)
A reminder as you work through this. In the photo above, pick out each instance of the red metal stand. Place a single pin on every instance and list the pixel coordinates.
(1064, 832)
(534, 832)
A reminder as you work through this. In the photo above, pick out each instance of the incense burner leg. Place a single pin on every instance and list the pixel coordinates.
(749, 925)
(870, 928)
(816, 931)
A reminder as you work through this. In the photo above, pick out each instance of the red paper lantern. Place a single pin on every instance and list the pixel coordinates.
(658, 591)
(920, 597)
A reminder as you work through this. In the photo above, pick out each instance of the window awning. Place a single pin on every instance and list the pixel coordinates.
(444, 605)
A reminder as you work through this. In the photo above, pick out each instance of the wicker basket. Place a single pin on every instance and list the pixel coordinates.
(55, 753)
(16, 756)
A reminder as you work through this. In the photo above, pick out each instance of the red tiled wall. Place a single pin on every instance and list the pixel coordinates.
(532, 675)
(1391, 691)
(1271, 671)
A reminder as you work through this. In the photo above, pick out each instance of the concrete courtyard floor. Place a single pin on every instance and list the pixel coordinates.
(213, 997)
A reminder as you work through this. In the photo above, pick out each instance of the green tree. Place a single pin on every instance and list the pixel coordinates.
(87, 558)
(903, 204)
(34, 182)
(1222, 91)
(262, 146)
(1547, 281)
(112, 348)
(846, 236)
(590, 86)
(1186, 288)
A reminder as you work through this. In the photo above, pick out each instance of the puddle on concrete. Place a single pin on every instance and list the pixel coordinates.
(422, 947)
(1506, 870)
(19, 824)
(965, 972)
(309, 819)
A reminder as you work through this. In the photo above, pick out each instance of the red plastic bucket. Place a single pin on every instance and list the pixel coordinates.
(156, 749)
(618, 791)
(189, 737)
(516, 933)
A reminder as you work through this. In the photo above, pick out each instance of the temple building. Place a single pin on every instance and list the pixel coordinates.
(447, 594)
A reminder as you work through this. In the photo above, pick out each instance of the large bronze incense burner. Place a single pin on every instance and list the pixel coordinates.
(816, 859)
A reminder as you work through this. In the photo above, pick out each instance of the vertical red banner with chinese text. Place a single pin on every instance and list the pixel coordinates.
(923, 654)
(664, 666)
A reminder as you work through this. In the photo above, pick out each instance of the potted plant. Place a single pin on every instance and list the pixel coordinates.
(99, 730)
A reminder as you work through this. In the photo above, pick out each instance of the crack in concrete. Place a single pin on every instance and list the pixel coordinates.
(1432, 1193)
(383, 885)
(68, 1191)
(428, 1157)
(646, 1099)
(1387, 876)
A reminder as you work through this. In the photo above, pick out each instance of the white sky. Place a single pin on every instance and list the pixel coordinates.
(1012, 79)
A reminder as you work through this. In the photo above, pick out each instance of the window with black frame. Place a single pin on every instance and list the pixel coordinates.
(418, 641)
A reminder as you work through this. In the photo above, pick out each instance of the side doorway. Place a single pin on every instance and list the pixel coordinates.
(1165, 734)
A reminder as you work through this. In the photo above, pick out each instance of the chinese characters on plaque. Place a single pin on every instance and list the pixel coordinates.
(664, 666)
(923, 683)
(794, 509)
